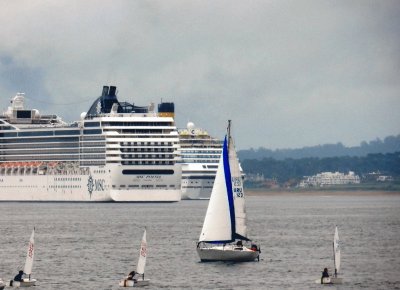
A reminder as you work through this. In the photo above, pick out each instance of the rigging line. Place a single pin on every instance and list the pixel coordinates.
(59, 104)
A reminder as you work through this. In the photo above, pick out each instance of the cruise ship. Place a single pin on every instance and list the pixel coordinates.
(115, 152)
(200, 156)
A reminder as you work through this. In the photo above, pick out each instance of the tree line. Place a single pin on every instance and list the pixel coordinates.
(294, 170)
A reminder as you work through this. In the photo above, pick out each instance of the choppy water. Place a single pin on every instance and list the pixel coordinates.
(93, 245)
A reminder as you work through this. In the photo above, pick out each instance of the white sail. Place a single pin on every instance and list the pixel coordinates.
(237, 191)
(217, 222)
(30, 254)
(142, 255)
(336, 250)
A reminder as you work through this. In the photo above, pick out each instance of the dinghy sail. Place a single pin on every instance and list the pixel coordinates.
(30, 255)
(225, 220)
(336, 252)
(142, 256)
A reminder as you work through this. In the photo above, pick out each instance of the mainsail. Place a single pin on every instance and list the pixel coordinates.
(142, 255)
(30, 254)
(336, 251)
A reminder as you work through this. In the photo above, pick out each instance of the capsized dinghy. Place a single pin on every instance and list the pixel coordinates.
(224, 233)
(136, 279)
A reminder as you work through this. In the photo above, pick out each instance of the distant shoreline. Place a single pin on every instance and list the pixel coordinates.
(313, 192)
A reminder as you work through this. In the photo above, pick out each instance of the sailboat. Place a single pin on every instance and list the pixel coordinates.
(224, 233)
(27, 282)
(334, 279)
(133, 281)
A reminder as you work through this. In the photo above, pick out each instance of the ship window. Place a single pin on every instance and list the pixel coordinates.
(92, 131)
(2, 127)
(67, 132)
(8, 134)
(24, 114)
(38, 133)
(148, 171)
(92, 124)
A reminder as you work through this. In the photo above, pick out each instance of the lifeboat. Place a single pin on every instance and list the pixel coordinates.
(52, 164)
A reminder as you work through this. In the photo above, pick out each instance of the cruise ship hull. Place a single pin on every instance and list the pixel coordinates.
(102, 184)
(197, 188)
(145, 196)
(197, 182)
(145, 187)
(52, 188)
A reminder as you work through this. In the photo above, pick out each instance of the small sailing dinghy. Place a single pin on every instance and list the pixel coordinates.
(27, 282)
(136, 279)
(334, 279)
(224, 228)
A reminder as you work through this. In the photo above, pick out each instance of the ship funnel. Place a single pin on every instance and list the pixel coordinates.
(105, 91)
(166, 110)
(112, 90)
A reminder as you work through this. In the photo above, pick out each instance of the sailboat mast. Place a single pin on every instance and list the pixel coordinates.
(334, 258)
(228, 132)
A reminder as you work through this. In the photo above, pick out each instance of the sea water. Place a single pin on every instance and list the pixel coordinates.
(94, 245)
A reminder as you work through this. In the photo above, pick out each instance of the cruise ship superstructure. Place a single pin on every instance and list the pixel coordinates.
(116, 152)
(200, 157)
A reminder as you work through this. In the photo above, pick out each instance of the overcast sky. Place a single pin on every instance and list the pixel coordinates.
(288, 73)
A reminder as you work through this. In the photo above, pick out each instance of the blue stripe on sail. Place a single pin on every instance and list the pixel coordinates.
(228, 183)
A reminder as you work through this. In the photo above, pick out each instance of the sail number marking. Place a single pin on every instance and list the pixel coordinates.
(143, 250)
(237, 186)
(30, 250)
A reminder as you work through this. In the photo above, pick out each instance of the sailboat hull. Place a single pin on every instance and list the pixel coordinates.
(227, 253)
(24, 283)
(330, 280)
(336, 280)
(131, 283)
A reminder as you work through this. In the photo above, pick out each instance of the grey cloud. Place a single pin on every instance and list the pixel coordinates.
(289, 73)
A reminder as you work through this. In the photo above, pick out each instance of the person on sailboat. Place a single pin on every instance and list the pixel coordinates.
(132, 276)
(18, 277)
(325, 274)
(254, 248)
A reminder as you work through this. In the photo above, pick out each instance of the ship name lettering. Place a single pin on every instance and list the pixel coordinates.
(99, 184)
(153, 176)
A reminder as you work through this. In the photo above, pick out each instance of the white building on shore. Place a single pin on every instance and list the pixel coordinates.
(330, 178)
